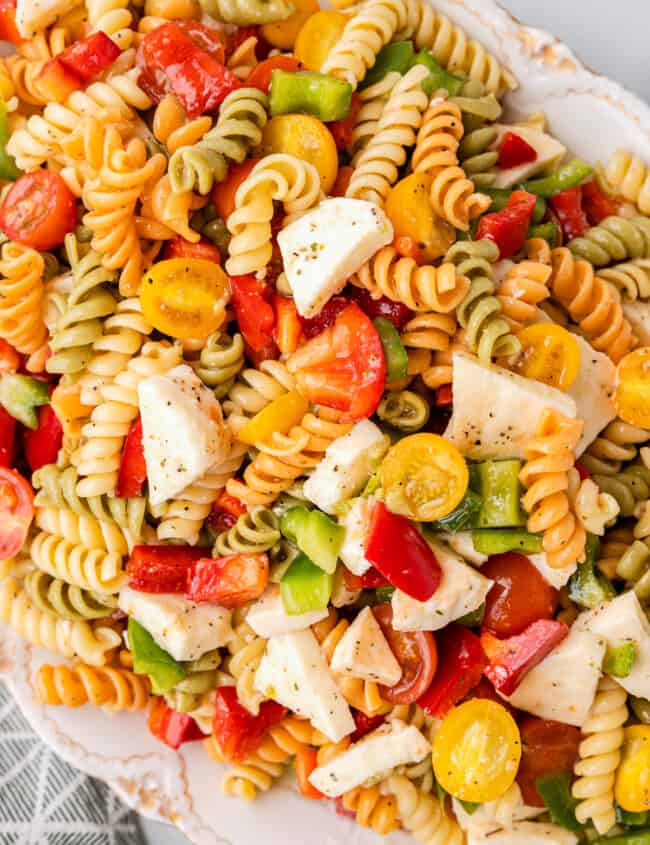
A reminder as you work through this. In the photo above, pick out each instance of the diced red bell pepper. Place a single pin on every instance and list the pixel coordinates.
(133, 469)
(305, 761)
(225, 512)
(229, 581)
(510, 659)
(90, 56)
(161, 569)
(288, 329)
(7, 438)
(508, 228)
(56, 82)
(342, 181)
(230, 504)
(444, 396)
(398, 550)
(567, 206)
(171, 727)
(8, 28)
(42, 445)
(239, 733)
(370, 580)
(460, 667)
(342, 129)
(515, 151)
(582, 472)
(596, 204)
(365, 724)
(250, 299)
(180, 248)
(396, 312)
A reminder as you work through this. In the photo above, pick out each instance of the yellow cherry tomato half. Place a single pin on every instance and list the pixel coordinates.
(185, 297)
(423, 477)
(632, 787)
(279, 416)
(632, 398)
(318, 35)
(307, 138)
(283, 33)
(477, 750)
(409, 208)
(549, 354)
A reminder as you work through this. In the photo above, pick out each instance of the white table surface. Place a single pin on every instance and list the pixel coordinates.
(609, 35)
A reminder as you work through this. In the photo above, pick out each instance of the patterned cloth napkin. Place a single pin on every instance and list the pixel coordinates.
(44, 801)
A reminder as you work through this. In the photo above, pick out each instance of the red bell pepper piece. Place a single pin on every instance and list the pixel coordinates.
(444, 396)
(230, 581)
(90, 56)
(180, 248)
(161, 569)
(596, 204)
(239, 733)
(398, 550)
(567, 206)
(370, 580)
(56, 81)
(42, 446)
(287, 329)
(7, 438)
(460, 667)
(515, 151)
(8, 28)
(171, 727)
(365, 724)
(342, 129)
(508, 228)
(250, 299)
(305, 761)
(133, 469)
(510, 659)
(230, 504)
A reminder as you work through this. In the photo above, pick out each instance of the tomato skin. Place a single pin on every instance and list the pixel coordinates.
(415, 652)
(260, 76)
(171, 727)
(306, 138)
(239, 733)
(342, 181)
(7, 438)
(633, 387)
(313, 326)
(444, 396)
(550, 354)
(546, 747)
(508, 228)
(230, 581)
(365, 724)
(38, 210)
(133, 468)
(567, 205)
(520, 595)
(484, 689)
(178, 247)
(42, 446)
(161, 569)
(288, 330)
(515, 151)
(16, 511)
(462, 661)
(90, 56)
(223, 193)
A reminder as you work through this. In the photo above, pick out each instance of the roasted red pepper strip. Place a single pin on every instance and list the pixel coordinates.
(398, 550)
(180, 248)
(42, 446)
(567, 206)
(508, 228)
(515, 151)
(239, 733)
(171, 727)
(133, 469)
(250, 299)
(365, 724)
(230, 581)
(90, 56)
(370, 580)
(460, 667)
(596, 204)
(161, 569)
(7, 438)
(510, 659)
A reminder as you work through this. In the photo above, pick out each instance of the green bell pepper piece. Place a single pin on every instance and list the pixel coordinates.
(636, 837)
(500, 489)
(438, 78)
(619, 661)
(632, 819)
(21, 395)
(470, 807)
(394, 352)
(304, 587)
(384, 594)
(587, 586)
(307, 92)
(149, 659)
(464, 516)
(393, 58)
(474, 618)
(315, 534)
(555, 792)
(8, 169)
(497, 541)
(568, 176)
(500, 197)
(546, 231)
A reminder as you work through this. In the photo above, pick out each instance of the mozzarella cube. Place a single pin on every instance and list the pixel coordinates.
(525, 833)
(327, 245)
(555, 577)
(394, 744)
(593, 392)
(461, 591)
(294, 672)
(182, 628)
(563, 686)
(267, 617)
(356, 520)
(363, 652)
(548, 149)
(496, 411)
(638, 316)
(32, 16)
(341, 595)
(461, 542)
(183, 431)
(348, 463)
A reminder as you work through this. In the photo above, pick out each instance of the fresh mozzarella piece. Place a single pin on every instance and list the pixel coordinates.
(395, 744)
(267, 616)
(347, 464)
(592, 392)
(562, 687)
(548, 149)
(462, 543)
(182, 628)
(356, 520)
(638, 315)
(525, 833)
(363, 652)
(32, 16)
(555, 577)
(496, 815)
(341, 596)
(461, 591)
(183, 431)
(621, 621)
(294, 672)
(327, 245)
(496, 411)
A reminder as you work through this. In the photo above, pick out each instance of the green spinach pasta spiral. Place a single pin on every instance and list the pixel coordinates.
(479, 110)
(404, 410)
(201, 678)
(67, 601)
(615, 239)
(631, 279)
(248, 12)
(255, 531)
(629, 486)
(220, 361)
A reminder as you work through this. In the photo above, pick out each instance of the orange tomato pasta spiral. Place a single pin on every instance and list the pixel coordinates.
(74, 686)
(21, 298)
(549, 457)
(172, 128)
(538, 249)
(524, 287)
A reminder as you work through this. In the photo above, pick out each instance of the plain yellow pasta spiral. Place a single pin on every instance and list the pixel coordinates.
(80, 529)
(91, 569)
(74, 686)
(522, 290)
(21, 298)
(254, 389)
(421, 814)
(246, 650)
(112, 17)
(629, 176)
(371, 105)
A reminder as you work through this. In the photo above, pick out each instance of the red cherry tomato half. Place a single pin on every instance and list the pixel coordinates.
(38, 210)
(546, 748)
(416, 653)
(180, 248)
(260, 77)
(16, 511)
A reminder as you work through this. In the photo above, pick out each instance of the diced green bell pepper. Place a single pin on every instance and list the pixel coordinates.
(393, 58)
(587, 586)
(304, 587)
(21, 395)
(555, 792)
(632, 819)
(546, 231)
(636, 837)
(568, 176)
(500, 197)
(464, 516)
(394, 352)
(8, 169)
(149, 659)
(438, 78)
(315, 534)
(619, 661)
(500, 489)
(473, 619)
(307, 92)
(497, 541)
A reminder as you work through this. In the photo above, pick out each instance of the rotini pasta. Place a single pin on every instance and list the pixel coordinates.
(255, 531)
(631, 279)
(66, 601)
(371, 105)
(629, 176)
(422, 815)
(246, 651)
(404, 410)
(615, 445)
(90, 569)
(22, 300)
(254, 389)
(188, 694)
(74, 686)
(248, 14)
(521, 291)
(477, 156)
(615, 239)
(220, 361)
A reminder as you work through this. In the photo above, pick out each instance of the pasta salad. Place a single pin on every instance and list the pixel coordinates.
(325, 411)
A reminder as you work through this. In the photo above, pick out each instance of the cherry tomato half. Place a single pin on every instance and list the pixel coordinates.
(632, 397)
(632, 788)
(549, 354)
(38, 210)
(409, 208)
(260, 76)
(318, 35)
(547, 747)
(519, 596)
(416, 653)
(304, 137)
(283, 33)
(16, 511)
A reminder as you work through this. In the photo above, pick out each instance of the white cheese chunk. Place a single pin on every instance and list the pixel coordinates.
(461, 542)
(356, 520)
(562, 687)
(327, 245)
(548, 149)
(638, 315)
(341, 595)
(592, 392)
(525, 833)
(621, 621)
(32, 16)
(346, 466)
(268, 618)
(294, 672)
(394, 744)
(183, 432)
(182, 628)
(363, 652)
(461, 591)
(496, 411)
(555, 577)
